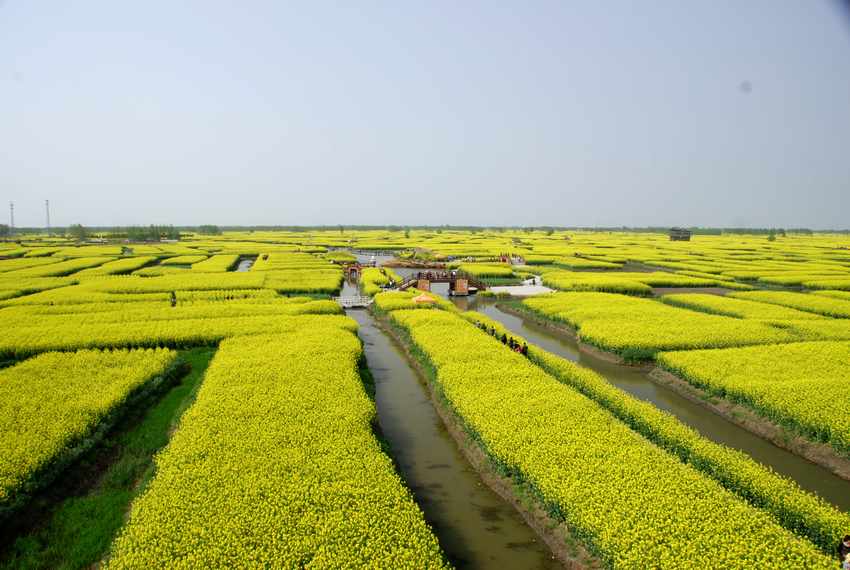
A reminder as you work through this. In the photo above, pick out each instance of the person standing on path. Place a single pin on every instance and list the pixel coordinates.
(844, 550)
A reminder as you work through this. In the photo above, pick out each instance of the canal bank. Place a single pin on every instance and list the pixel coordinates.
(636, 381)
(476, 527)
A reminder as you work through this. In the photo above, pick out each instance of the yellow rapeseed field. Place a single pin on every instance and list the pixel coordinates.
(605, 480)
(803, 386)
(276, 466)
(51, 403)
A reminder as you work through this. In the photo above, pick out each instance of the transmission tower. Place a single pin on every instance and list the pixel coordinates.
(47, 211)
(11, 218)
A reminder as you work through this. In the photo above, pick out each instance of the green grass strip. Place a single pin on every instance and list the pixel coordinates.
(79, 531)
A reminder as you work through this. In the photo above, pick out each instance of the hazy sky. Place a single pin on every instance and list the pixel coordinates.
(711, 112)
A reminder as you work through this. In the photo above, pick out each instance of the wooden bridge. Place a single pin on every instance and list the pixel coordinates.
(460, 283)
(354, 302)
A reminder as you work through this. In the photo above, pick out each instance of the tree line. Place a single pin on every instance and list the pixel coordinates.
(157, 232)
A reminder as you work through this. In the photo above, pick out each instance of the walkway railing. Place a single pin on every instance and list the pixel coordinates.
(442, 277)
(354, 301)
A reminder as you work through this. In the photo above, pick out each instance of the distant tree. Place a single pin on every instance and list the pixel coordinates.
(407, 232)
(341, 229)
(771, 236)
(550, 231)
(439, 230)
(209, 229)
(782, 232)
(5, 231)
(151, 233)
(78, 232)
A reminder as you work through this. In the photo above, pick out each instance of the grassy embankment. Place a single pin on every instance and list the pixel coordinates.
(87, 508)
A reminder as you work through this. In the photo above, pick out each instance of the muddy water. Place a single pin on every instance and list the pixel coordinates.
(476, 528)
(808, 475)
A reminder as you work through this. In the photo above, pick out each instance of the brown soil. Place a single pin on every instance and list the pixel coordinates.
(557, 536)
(819, 453)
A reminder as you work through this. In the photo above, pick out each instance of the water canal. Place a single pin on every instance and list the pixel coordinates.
(245, 263)
(476, 528)
(636, 382)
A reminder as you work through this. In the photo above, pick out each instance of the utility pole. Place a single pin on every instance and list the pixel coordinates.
(11, 218)
(47, 209)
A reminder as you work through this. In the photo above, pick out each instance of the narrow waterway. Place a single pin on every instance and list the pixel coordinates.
(368, 257)
(808, 475)
(349, 288)
(476, 528)
(245, 263)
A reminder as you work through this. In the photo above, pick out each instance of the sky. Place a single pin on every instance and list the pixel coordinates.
(696, 113)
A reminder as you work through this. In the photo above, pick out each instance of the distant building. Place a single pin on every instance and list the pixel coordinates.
(680, 234)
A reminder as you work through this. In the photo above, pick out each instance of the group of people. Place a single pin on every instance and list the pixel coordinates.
(510, 258)
(843, 546)
(506, 340)
(844, 552)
